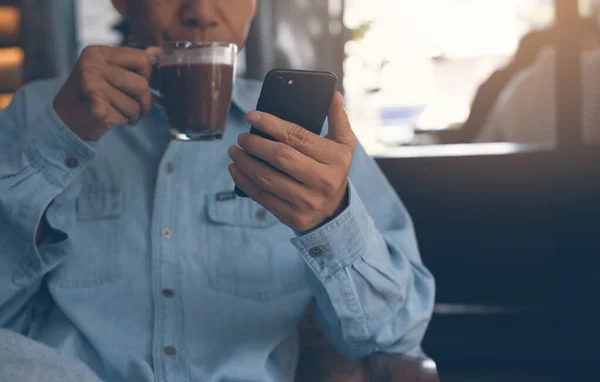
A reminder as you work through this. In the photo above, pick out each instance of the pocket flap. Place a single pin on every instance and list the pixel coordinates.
(100, 203)
(227, 208)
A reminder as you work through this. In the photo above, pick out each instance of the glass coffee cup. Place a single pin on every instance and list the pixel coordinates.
(196, 85)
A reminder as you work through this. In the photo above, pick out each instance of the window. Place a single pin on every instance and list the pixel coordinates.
(416, 65)
(95, 22)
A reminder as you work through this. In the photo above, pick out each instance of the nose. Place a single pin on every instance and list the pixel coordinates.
(199, 14)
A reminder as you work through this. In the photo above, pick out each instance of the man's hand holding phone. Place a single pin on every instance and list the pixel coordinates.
(304, 177)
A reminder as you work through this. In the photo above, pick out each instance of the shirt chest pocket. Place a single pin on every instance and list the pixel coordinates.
(95, 233)
(250, 254)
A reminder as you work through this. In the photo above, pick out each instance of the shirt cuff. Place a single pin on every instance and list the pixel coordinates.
(339, 243)
(55, 150)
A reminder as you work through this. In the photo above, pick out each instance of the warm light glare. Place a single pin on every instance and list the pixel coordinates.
(9, 23)
(417, 64)
(10, 57)
(5, 100)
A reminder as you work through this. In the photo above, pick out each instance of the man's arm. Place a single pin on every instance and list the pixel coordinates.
(39, 158)
(373, 292)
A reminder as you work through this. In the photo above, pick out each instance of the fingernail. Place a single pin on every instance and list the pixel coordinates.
(243, 137)
(233, 150)
(253, 116)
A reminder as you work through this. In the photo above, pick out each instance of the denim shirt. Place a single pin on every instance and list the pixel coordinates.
(156, 272)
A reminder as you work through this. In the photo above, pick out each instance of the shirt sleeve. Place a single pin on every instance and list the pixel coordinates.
(39, 158)
(373, 292)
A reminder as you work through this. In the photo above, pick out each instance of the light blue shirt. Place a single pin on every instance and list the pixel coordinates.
(157, 273)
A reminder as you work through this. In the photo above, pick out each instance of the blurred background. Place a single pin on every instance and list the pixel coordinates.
(510, 229)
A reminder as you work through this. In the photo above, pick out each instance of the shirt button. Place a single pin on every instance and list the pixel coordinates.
(170, 351)
(316, 251)
(170, 168)
(166, 233)
(168, 292)
(72, 162)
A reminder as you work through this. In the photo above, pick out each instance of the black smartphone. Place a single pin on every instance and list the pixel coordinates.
(297, 96)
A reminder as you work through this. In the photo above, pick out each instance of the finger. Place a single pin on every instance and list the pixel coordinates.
(124, 104)
(283, 157)
(280, 208)
(104, 115)
(268, 178)
(340, 130)
(132, 59)
(117, 118)
(153, 51)
(131, 83)
(297, 137)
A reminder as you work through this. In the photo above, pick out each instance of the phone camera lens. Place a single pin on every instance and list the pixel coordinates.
(279, 80)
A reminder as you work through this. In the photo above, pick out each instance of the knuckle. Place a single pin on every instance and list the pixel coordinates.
(143, 61)
(296, 136)
(263, 197)
(315, 203)
(144, 86)
(136, 111)
(86, 67)
(99, 110)
(300, 222)
(330, 184)
(147, 103)
(87, 86)
(284, 155)
(91, 52)
(346, 159)
(139, 85)
(263, 176)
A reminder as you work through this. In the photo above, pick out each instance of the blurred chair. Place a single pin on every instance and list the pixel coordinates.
(320, 361)
(511, 234)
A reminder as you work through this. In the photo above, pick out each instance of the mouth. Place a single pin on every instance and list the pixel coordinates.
(166, 38)
(203, 36)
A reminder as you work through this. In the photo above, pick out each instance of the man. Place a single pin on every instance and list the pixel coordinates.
(489, 91)
(525, 111)
(128, 251)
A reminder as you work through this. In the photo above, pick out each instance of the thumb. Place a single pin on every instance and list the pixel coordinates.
(154, 51)
(340, 130)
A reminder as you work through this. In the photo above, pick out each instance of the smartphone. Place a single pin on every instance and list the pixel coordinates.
(297, 96)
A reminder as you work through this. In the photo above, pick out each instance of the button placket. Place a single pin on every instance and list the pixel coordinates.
(170, 351)
(168, 308)
(167, 233)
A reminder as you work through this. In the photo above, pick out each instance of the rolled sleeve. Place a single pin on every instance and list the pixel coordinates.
(339, 243)
(54, 149)
(372, 291)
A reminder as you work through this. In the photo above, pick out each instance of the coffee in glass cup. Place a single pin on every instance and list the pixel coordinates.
(196, 84)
